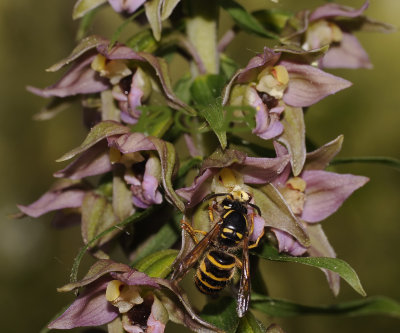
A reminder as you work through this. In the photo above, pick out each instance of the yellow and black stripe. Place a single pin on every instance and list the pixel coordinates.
(214, 272)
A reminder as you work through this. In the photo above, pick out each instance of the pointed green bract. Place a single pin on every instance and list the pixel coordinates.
(97, 216)
(166, 152)
(206, 91)
(153, 14)
(85, 45)
(249, 324)
(158, 264)
(162, 240)
(99, 132)
(293, 137)
(222, 313)
(245, 20)
(376, 305)
(339, 266)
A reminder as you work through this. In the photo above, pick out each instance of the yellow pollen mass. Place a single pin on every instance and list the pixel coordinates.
(115, 155)
(281, 74)
(296, 183)
(227, 177)
(337, 34)
(113, 290)
(99, 63)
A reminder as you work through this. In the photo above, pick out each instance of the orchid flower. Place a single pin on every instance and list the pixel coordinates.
(334, 25)
(116, 294)
(313, 196)
(270, 84)
(114, 75)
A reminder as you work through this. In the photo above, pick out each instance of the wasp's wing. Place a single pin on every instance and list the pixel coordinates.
(193, 256)
(243, 298)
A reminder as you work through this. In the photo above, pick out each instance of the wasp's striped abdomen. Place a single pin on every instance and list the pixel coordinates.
(214, 272)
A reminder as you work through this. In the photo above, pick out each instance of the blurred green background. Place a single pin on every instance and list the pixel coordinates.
(35, 259)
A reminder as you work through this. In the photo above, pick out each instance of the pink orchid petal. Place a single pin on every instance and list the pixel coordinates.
(91, 308)
(288, 244)
(308, 85)
(333, 9)
(326, 191)
(54, 200)
(127, 6)
(80, 79)
(154, 325)
(268, 125)
(284, 175)
(135, 278)
(256, 170)
(348, 54)
(198, 190)
(131, 142)
(259, 224)
(250, 72)
(149, 194)
(94, 161)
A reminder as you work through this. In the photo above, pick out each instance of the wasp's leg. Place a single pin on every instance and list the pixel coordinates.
(251, 231)
(211, 213)
(239, 263)
(192, 232)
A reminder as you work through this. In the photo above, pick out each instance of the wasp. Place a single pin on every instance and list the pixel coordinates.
(215, 251)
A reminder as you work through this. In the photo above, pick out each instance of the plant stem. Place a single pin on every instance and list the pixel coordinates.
(202, 31)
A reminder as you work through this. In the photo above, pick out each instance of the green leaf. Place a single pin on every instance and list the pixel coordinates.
(161, 68)
(154, 120)
(153, 14)
(158, 264)
(333, 264)
(245, 20)
(143, 41)
(228, 66)
(377, 305)
(206, 90)
(182, 88)
(85, 45)
(168, 7)
(97, 216)
(162, 240)
(99, 132)
(82, 7)
(119, 30)
(85, 24)
(222, 313)
(121, 194)
(293, 137)
(249, 324)
(166, 152)
(131, 219)
(387, 161)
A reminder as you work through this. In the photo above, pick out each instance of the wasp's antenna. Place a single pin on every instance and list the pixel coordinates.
(214, 195)
(256, 208)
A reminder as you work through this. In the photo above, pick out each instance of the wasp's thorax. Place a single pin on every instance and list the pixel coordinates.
(234, 223)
